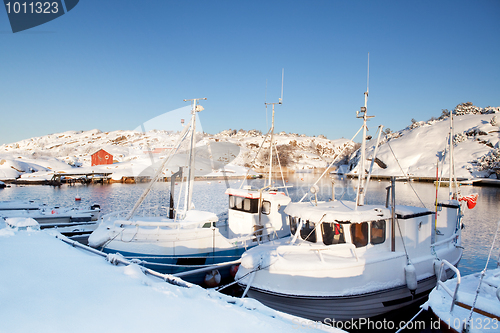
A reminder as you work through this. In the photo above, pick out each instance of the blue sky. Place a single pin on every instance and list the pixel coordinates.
(116, 64)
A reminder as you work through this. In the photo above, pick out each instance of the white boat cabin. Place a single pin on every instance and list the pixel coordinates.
(251, 210)
(369, 226)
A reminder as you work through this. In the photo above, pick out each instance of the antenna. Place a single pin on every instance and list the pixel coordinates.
(368, 75)
(280, 101)
(282, 79)
(265, 103)
(265, 96)
(360, 195)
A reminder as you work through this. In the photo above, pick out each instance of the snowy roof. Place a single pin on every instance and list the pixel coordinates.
(342, 211)
(255, 194)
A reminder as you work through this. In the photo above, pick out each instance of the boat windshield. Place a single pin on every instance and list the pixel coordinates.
(332, 233)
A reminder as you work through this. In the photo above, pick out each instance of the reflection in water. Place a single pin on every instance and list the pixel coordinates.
(480, 222)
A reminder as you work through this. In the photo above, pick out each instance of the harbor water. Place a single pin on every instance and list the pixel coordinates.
(477, 237)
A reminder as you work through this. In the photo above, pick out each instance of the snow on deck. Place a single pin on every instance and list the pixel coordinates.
(440, 302)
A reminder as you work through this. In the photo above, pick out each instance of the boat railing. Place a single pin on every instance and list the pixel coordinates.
(257, 235)
(444, 241)
(453, 294)
(295, 249)
(174, 224)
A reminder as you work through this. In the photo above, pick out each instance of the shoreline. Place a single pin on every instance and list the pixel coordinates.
(137, 180)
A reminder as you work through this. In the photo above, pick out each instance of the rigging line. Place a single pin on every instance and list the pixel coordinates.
(329, 166)
(483, 273)
(158, 173)
(314, 229)
(255, 157)
(403, 241)
(405, 175)
(281, 170)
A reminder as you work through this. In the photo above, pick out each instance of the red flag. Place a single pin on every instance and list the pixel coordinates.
(470, 199)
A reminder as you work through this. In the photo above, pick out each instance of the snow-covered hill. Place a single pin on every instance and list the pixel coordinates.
(416, 150)
(413, 151)
(137, 154)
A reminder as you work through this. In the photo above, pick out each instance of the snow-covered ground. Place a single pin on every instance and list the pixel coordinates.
(49, 286)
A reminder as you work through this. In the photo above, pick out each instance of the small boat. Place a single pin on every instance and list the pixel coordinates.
(467, 304)
(187, 241)
(75, 222)
(346, 260)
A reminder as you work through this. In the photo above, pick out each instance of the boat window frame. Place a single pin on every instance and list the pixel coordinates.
(242, 202)
(294, 224)
(363, 240)
(311, 234)
(262, 208)
(341, 239)
(384, 232)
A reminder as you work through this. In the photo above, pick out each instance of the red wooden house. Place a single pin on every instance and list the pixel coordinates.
(101, 157)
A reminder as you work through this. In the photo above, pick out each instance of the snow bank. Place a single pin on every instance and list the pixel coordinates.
(49, 286)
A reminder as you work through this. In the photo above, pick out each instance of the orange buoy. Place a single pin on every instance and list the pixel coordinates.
(212, 279)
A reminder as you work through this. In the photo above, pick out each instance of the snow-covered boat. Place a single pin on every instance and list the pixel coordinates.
(191, 239)
(467, 304)
(470, 303)
(76, 222)
(346, 260)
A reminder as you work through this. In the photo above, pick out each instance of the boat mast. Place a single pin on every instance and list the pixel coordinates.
(190, 179)
(360, 195)
(453, 186)
(280, 101)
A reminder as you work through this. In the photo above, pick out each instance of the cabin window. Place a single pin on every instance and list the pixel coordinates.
(244, 204)
(266, 207)
(238, 203)
(293, 224)
(332, 233)
(359, 234)
(308, 231)
(377, 232)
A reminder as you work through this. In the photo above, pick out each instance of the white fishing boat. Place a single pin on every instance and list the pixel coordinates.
(470, 303)
(190, 239)
(346, 260)
(76, 222)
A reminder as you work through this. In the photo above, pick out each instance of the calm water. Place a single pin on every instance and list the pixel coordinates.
(480, 222)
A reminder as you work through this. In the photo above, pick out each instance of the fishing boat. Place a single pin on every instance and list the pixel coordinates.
(76, 222)
(347, 260)
(191, 243)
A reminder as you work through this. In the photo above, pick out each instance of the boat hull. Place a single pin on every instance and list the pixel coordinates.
(175, 264)
(327, 309)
